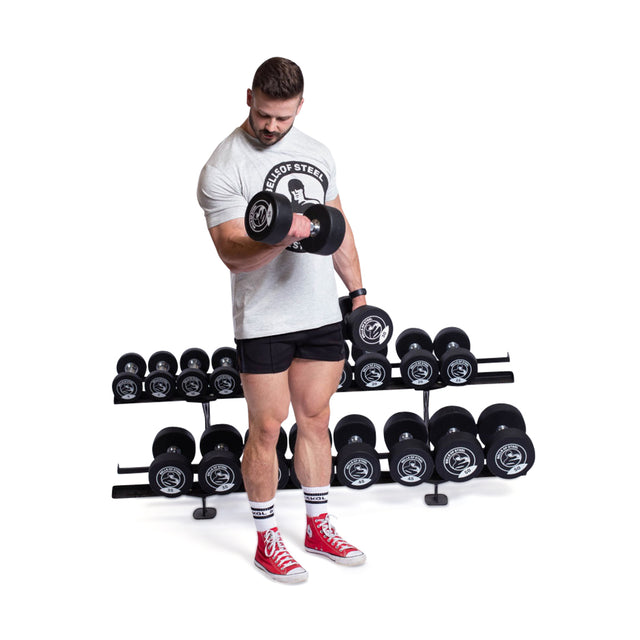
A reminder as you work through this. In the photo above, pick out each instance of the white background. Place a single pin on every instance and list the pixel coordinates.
(488, 162)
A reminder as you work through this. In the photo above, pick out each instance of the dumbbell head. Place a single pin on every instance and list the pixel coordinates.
(403, 426)
(131, 363)
(448, 339)
(327, 230)
(418, 366)
(354, 427)
(225, 380)
(268, 217)
(369, 328)
(458, 365)
(192, 382)
(127, 385)
(410, 461)
(170, 472)
(413, 339)
(372, 371)
(357, 464)
(163, 361)
(225, 357)
(160, 383)
(458, 454)
(508, 449)
(219, 470)
(194, 359)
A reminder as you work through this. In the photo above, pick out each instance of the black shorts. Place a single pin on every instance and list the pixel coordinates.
(274, 354)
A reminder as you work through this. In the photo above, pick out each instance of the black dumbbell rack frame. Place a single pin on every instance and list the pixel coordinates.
(431, 499)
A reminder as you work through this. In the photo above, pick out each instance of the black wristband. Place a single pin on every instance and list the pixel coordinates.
(357, 292)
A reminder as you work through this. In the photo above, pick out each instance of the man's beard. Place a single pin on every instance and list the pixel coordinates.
(267, 138)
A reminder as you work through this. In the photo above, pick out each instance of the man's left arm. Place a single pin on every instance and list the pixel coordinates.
(345, 259)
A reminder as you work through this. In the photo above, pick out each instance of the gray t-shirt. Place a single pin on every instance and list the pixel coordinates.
(297, 290)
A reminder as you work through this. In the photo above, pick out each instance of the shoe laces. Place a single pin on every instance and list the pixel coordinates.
(274, 548)
(327, 529)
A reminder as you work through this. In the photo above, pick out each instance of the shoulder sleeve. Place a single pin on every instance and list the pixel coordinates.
(220, 198)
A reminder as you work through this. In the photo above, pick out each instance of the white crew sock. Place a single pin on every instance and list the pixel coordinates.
(315, 499)
(263, 515)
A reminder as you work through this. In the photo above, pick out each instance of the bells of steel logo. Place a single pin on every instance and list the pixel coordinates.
(170, 480)
(260, 216)
(373, 330)
(359, 472)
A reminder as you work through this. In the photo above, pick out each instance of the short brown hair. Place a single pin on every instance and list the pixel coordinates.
(279, 78)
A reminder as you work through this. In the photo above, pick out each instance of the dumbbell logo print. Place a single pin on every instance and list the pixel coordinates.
(373, 331)
(260, 216)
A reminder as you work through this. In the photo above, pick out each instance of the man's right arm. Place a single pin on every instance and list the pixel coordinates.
(241, 254)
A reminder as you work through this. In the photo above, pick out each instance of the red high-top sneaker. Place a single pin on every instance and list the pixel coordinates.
(273, 558)
(322, 538)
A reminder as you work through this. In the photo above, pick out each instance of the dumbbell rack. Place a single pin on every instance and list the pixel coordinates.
(432, 499)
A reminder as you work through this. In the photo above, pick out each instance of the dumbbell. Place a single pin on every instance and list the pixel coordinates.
(369, 328)
(346, 378)
(357, 464)
(170, 473)
(458, 365)
(224, 381)
(458, 454)
(418, 365)
(127, 385)
(192, 382)
(410, 461)
(372, 370)
(219, 470)
(283, 466)
(293, 434)
(161, 381)
(269, 215)
(508, 449)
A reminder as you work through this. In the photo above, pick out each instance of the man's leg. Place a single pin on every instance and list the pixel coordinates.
(267, 397)
(312, 383)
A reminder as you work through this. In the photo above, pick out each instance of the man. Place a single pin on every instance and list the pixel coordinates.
(285, 308)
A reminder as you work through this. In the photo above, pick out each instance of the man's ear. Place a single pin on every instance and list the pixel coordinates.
(249, 97)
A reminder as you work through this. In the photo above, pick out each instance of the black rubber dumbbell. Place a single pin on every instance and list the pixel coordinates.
(269, 215)
(410, 461)
(219, 470)
(293, 434)
(418, 365)
(372, 370)
(224, 381)
(192, 382)
(369, 328)
(357, 463)
(127, 385)
(458, 366)
(283, 465)
(161, 381)
(508, 449)
(458, 454)
(170, 473)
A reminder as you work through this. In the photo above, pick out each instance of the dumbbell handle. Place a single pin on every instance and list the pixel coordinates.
(174, 449)
(405, 436)
(131, 367)
(226, 362)
(355, 439)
